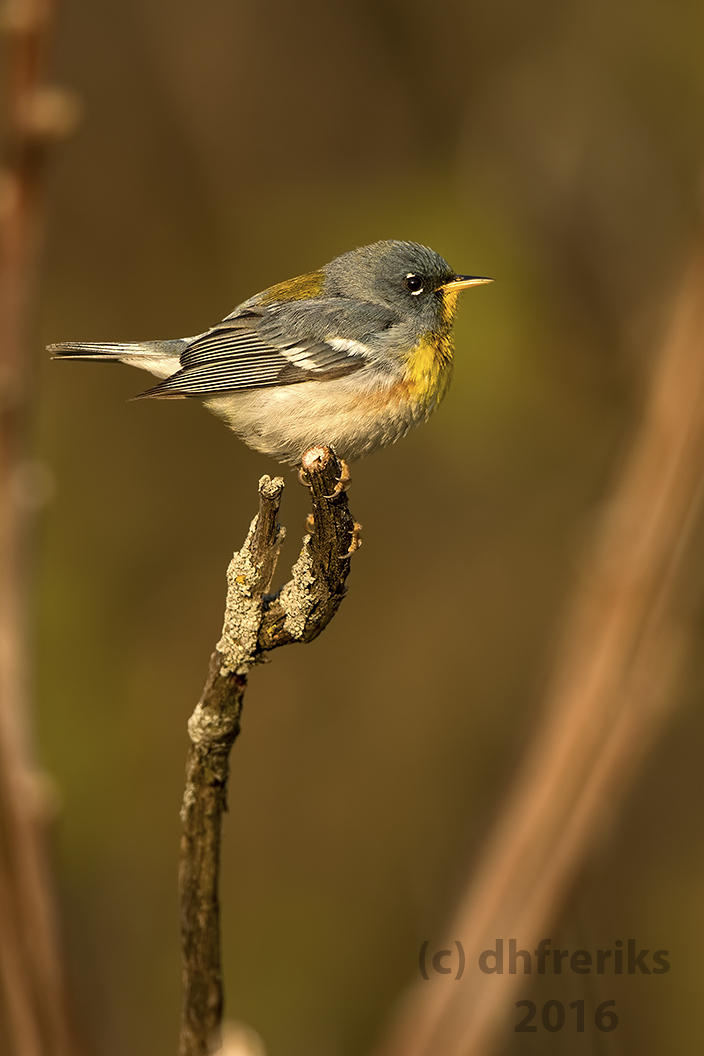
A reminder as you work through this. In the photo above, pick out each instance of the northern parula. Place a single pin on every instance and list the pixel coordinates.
(350, 356)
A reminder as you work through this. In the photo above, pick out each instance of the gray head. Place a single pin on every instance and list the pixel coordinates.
(411, 279)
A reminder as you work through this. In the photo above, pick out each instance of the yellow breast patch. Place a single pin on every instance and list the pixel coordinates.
(429, 368)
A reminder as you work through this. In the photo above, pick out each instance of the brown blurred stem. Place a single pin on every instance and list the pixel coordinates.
(34, 1016)
(611, 695)
(255, 622)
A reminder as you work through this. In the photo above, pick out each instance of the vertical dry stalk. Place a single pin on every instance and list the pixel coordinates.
(610, 697)
(33, 1005)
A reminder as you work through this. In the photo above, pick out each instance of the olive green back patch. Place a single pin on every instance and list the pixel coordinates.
(298, 289)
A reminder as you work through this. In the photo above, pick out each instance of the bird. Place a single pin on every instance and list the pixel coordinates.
(350, 356)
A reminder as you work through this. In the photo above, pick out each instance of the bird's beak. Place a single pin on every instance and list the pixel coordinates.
(463, 282)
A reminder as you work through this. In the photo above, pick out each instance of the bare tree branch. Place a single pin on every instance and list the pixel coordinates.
(255, 623)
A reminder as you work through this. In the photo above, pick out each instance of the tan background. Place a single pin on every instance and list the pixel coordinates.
(556, 146)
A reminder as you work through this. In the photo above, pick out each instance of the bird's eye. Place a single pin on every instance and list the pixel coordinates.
(413, 284)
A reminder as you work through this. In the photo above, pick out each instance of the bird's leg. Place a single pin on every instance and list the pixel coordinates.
(355, 541)
(343, 481)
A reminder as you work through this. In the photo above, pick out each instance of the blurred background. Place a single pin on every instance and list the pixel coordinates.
(227, 146)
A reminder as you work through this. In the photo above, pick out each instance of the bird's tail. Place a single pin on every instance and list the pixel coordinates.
(158, 357)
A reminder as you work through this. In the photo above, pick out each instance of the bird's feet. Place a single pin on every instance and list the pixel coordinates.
(343, 481)
(355, 541)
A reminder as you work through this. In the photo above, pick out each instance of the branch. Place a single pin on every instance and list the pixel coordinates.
(255, 623)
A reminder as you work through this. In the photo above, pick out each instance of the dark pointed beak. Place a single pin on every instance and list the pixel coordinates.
(463, 282)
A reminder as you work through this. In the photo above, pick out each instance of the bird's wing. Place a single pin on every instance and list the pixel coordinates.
(282, 344)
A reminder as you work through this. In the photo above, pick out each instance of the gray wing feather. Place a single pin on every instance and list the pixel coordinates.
(280, 345)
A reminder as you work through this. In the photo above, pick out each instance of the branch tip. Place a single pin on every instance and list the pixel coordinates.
(316, 458)
(271, 487)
